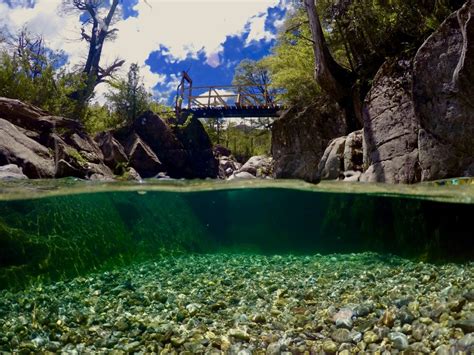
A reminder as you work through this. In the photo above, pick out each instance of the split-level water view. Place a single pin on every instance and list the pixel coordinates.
(244, 267)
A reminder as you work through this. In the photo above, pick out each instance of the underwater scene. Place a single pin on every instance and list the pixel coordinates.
(242, 267)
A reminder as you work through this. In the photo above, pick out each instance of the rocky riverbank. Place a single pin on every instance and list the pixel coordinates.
(244, 304)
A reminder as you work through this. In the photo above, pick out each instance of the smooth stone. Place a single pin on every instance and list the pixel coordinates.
(467, 325)
(330, 347)
(131, 347)
(466, 343)
(239, 334)
(399, 340)
(370, 337)
(273, 349)
(341, 335)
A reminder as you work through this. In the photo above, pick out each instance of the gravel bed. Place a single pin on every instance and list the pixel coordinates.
(249, 304)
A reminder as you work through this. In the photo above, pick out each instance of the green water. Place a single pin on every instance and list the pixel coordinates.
(51, 229)
(193, 256)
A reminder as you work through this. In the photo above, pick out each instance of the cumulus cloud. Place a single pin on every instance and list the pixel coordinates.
(184, 27)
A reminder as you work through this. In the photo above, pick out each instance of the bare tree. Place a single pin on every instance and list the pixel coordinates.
(95, 31)
(337, 81)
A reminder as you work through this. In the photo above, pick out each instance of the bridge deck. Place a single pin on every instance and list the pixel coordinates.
(226, 101)
(234, 111)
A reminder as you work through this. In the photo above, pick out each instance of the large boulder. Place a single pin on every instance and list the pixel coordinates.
(331, 165)
(342, 159)
(142, 158)
(443, 96)
(184, 151)
(11, 171)
(200, 162)
(300, 137)
(113, 152)
(17, 148)
(259, 166)
(391, 127)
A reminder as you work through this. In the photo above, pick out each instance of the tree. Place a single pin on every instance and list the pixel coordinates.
(334, 79)
(96, 30)
(29, 72)
(129, 98)
(254, 79)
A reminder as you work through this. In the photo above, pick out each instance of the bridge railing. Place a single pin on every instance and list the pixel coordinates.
(230, 95)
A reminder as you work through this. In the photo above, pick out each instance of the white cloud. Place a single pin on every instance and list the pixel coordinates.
(257, 30)
(184, 27)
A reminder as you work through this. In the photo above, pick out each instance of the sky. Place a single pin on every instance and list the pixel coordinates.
(207, 38)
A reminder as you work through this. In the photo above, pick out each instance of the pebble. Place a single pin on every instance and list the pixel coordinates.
(399, 340)
(330, 347)
(244, 304)
(341, 335)
(370, 337)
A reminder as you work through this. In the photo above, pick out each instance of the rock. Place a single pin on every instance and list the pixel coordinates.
(399, 340)
(467, 325)
(352, 176)
(273, 349)
(241, 176)
(184, 151)
(239, 334)
(259, 166)
(131, 347)
(300, 137)
(11, 171)
(370, 337)
(341, 336)
(142, 158)
(466, 343)
(16, 148)
(259, 318)
(391, 127)
(343, 318)
(353, 151)
(132, 175)
(112, 150)
(200, 162)
(330, 347)
(442, 95)
(331, 165)
(227, 166)
(363, 310)
(388, 318)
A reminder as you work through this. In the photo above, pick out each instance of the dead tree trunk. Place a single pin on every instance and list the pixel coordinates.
(335, 80)
(94, 74)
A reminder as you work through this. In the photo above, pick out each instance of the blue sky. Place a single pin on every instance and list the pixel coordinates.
(207, 37)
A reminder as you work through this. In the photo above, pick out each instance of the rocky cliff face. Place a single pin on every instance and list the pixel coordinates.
(425, 107)
(45, 146)
(300, 136)
(153, 147)
(418, 118)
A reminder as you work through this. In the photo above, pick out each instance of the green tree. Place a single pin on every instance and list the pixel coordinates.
(129, 98)
(254, 80)
(291, 64)
(30, 72)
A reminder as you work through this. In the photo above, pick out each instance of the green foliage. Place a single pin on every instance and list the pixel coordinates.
(129, 98)
(244, 140)
(360, 34)
(99, 118)
(291, 65)
(28, 72)
(165, 112)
